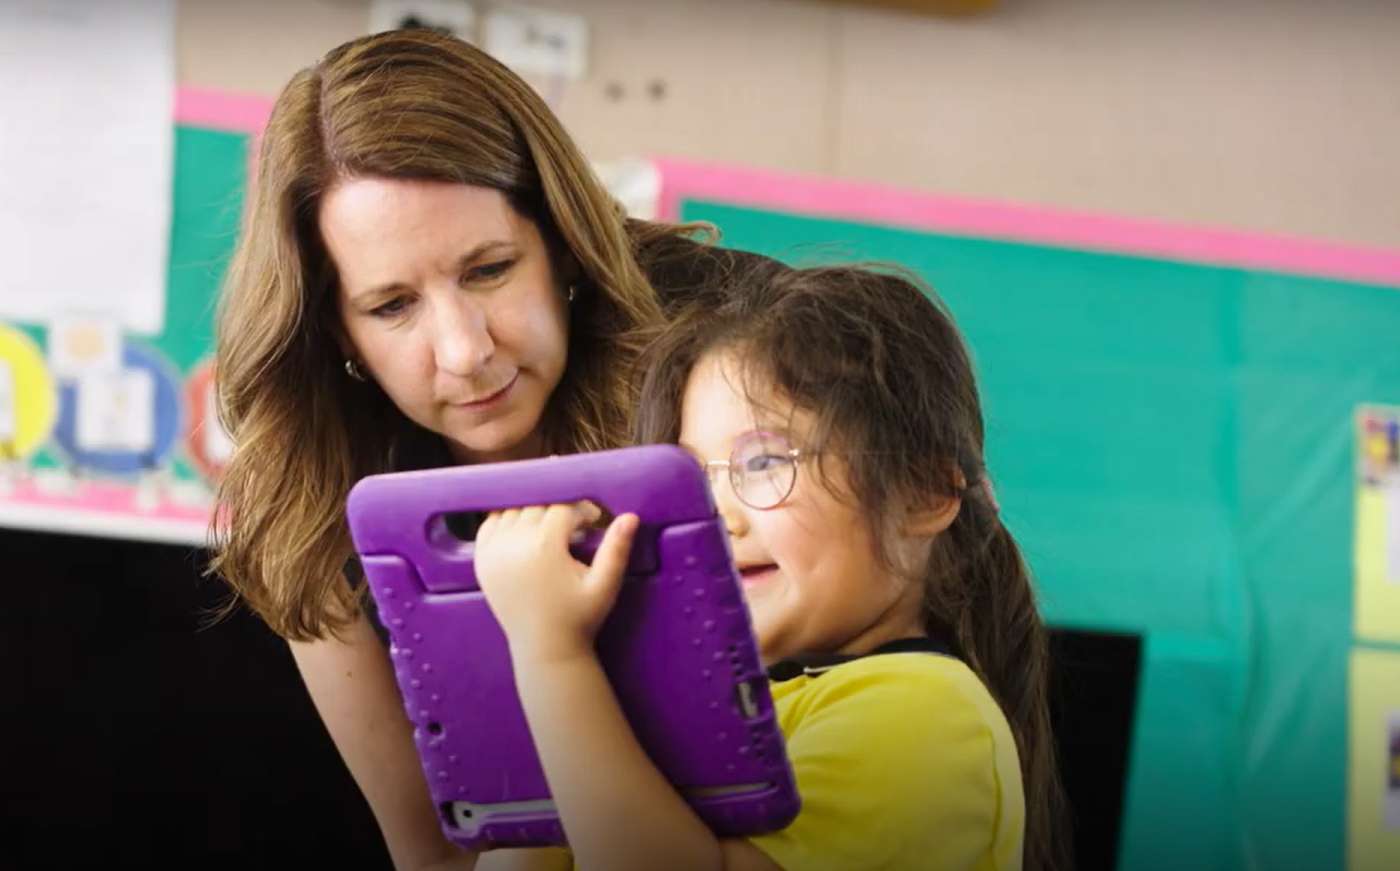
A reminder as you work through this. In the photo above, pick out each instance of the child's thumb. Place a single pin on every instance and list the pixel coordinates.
(610, 561)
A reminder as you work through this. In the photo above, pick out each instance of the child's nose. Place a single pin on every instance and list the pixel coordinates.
(731, 510)
(462, 342)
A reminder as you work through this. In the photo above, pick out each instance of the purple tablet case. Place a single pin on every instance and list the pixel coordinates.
(678, 647)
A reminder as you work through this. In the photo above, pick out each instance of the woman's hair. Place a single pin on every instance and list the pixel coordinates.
(407, 104)
(882, 369)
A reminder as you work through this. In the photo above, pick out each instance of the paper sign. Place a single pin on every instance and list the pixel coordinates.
(80, 346)
(1376, 610)
(218, 447)
(117, 412)
(1392, 535)
(87, 154)
(9, 409)
(634, 183)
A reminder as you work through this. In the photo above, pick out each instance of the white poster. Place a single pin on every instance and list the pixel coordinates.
(117, 412)
(86, 143)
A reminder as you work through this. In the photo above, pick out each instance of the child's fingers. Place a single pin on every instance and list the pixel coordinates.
(610, 562)
(588, 512)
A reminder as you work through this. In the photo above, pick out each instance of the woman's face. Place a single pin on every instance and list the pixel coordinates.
(449, 302)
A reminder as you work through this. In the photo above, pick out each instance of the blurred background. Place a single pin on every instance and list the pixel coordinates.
(1171, 232)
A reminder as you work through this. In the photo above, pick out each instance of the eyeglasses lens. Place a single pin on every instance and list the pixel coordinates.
(762, 471)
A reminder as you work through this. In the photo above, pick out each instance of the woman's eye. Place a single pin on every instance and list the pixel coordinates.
(392, 308)
(487, 271)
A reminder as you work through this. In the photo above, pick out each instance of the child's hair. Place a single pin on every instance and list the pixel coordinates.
(878, 362)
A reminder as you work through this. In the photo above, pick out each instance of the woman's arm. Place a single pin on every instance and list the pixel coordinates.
(351, 681)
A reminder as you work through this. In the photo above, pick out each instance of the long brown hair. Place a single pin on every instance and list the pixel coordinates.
(879, 363)
(409, 104)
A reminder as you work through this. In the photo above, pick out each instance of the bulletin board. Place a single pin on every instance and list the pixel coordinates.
(1171, 424)
(55, 475)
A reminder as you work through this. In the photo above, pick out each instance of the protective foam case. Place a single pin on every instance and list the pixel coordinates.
(677, 647)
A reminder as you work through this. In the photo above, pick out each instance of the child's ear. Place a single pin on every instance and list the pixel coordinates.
(928, 520)
(930, 516)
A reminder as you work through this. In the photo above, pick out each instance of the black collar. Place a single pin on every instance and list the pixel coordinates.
(817, 664)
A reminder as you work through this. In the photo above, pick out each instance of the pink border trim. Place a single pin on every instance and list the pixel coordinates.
(104, 497)
(681, 179)
(217, 110)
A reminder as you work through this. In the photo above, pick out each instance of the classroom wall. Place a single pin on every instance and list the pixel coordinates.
(1279, 116)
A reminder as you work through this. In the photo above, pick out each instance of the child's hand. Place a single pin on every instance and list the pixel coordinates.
(549, 604)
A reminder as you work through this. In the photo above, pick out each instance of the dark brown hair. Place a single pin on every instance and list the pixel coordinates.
(878, 362)
(406, 104)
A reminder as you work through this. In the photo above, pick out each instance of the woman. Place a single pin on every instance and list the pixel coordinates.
(430, 274)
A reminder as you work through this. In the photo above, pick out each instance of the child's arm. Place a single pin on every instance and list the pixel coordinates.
(617, 810)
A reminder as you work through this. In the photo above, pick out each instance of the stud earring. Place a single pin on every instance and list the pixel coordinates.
(353, 370)
(573, 292)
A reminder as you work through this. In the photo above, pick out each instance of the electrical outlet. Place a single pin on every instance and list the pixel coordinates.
(456, 17)
(536, 42)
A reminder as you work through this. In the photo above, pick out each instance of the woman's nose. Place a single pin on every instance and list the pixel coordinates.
(462, 342)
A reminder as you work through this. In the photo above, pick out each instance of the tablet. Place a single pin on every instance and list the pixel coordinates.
(678, 647)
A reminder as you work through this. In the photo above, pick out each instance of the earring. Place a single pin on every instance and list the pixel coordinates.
(353, 370)
(573, 291)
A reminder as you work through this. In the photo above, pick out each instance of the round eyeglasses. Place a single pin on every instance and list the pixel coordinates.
(762, 469)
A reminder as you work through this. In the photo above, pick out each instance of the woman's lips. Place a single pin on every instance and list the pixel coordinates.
(493, 399)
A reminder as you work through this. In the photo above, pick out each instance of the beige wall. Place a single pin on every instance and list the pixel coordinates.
(1280, 116)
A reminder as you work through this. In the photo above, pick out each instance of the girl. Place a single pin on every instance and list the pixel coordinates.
(429, 274)
(837, 412)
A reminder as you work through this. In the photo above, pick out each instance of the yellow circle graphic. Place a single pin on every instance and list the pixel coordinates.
(28, 401)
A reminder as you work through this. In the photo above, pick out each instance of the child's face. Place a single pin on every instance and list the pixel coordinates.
(811, 575)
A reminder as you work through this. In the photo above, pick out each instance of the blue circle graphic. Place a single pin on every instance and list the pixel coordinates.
(167, 409)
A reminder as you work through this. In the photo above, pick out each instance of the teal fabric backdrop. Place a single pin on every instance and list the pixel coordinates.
(1172, 443)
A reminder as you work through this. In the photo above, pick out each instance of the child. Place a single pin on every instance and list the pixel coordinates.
(838, 416)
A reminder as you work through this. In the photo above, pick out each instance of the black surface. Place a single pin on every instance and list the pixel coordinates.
(135, 733)
(1094, 695)
(131, 733)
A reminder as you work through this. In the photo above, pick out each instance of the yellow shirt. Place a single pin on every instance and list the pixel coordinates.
(903, 761)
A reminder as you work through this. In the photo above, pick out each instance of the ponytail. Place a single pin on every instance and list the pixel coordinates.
(984, 600)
